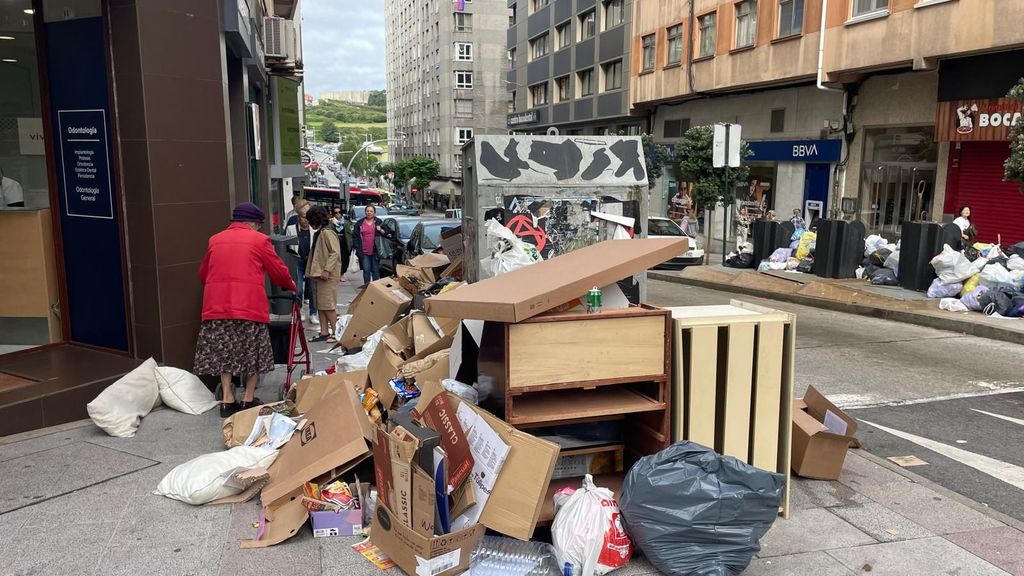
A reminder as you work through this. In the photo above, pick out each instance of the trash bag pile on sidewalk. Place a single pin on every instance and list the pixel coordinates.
(798, 257)
(980, 278)
(881, 261)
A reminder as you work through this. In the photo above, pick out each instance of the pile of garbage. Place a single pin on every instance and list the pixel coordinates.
(798, 257)
(980, 278)
(881, 261)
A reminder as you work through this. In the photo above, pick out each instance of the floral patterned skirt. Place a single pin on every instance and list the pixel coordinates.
(233, 347)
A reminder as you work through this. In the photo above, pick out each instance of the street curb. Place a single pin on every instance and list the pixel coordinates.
(948, 324)
(939, 489)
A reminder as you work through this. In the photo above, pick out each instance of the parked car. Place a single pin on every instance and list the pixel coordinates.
(426, 237)
(453, 213)
(403, 210)
(403, 226)
(665, 228)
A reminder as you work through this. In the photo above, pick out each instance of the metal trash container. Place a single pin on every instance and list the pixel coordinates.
(919, 243)
(839, 248)
(768, 237)
(280, 300)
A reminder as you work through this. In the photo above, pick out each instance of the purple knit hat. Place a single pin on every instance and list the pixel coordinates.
(247, 212)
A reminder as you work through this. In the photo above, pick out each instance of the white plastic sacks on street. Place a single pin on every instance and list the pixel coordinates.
(970, 300)
(940, 290)
(953, 305)
(994, 274)
(360, 360)
(873, 244)
(588, 532)
(507, 251)
(952, 266)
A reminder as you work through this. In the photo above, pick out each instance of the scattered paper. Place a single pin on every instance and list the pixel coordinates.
(907, 461)
(370, 551)
(489, 455)
(834, 423)
(272, 430)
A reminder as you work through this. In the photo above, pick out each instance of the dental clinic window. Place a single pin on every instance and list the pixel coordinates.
(865, 7)
(791, 17)
(746, 23)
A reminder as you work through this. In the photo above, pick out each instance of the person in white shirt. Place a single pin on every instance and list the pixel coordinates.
(963, 220)
(11, 194)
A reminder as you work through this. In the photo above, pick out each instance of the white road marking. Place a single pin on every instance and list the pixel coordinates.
(1003, 471)
(854, 404)
(1000, 416)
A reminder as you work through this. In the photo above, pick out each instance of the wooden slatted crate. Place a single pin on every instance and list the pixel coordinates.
(732, 382)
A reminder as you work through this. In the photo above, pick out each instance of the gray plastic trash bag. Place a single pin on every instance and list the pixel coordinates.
(694, 512)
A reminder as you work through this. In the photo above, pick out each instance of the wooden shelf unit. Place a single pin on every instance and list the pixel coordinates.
(572, 367)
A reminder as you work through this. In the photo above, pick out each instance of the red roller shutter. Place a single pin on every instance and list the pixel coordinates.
(997, 207)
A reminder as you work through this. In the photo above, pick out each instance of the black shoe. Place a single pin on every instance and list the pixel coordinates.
(246, 405)
(227, 410)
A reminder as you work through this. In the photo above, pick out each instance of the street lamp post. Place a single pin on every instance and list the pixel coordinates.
(348, 169)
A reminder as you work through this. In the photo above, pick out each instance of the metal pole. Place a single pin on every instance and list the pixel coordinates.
(725, 188)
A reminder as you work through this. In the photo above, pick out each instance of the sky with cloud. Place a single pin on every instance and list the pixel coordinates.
(343, 45)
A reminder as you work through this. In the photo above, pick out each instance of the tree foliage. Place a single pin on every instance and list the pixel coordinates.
(418, 171)
(658, 157)
(330, 132)
(349, 146)
(378, 98)
(1013, 169)
(346, 112)
(694, 154)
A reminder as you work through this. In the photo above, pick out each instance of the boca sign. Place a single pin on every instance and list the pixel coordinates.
(976, 120)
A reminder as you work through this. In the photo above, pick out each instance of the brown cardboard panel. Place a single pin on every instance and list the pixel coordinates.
(284, 518)
(383, 367)
(424, 333)
(398, 337)
(381, 303)
(311, 391)
(411, 550)
(238, 426)
(818, 452)
(520, 491)
(423, 502)
(334, 435)
(529, 291)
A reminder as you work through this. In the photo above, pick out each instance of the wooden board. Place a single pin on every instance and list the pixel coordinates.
(28, 284)
(702, 389)
(579, 350)
(736, 392)
(566, 405)
(764, 452)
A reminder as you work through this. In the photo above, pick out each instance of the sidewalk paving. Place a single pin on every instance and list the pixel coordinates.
(846, 295)
(74, 501)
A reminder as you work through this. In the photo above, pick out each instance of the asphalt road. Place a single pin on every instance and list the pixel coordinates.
(322, 159)
(925, 386)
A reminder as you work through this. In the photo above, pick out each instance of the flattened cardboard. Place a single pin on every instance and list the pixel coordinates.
(424, 501)
(521, 489)
(335, 434)
(817, 451)
(413, 279)
(527, 292)
(439, 415)
(410, 550)
(427, 331)
(237, 427)
(283, 519)
(309, 392)
(399, 338)
(383, 367)
(431, 263)
(254, 479)
(381, 303)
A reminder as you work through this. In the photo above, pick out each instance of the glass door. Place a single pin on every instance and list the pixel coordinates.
(896, 193)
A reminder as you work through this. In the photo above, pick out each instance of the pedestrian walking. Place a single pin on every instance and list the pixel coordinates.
(234, 338)
(324, 269)
(368, 237)
(299, 226)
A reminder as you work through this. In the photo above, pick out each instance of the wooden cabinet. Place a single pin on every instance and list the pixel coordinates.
(571, 368)
(28, 285)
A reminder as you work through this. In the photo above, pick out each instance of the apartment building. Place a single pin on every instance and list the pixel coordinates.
(352, 96)
(570, 66)
(446, 66)
(894, 114)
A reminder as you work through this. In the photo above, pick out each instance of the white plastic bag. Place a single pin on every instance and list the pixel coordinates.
(892, 262)
(1015, 262)
(859, 273)
(588, 532)
(360, 360)
(952, 266)
(507, 252)
(874, 243)
(342, 324)
(464, 391)
(994, 274)
(953, 305)
(940, 290)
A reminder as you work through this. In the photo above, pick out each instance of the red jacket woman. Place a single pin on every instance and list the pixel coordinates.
(234, 338)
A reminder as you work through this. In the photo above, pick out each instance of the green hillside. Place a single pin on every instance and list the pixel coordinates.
(346, 113)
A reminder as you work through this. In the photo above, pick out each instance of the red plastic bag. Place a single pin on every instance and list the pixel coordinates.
(588, 531)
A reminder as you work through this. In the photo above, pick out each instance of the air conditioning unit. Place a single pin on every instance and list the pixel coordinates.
(275, 37)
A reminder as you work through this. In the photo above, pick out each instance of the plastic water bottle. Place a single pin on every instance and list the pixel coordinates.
(498, 556)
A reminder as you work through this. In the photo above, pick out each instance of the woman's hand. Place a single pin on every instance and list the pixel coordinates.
(325, 275)
(380, 230)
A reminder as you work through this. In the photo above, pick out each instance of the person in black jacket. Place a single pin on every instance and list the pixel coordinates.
(368, 237)
(298, 225)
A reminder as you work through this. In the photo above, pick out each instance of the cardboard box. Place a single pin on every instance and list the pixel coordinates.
(428, 331)
(821, 436)
(413, 280)
(432, 264)
(381, 303)
(311, 391)
(529, 291)
(237, 427)
(415, 553)
(344, 523)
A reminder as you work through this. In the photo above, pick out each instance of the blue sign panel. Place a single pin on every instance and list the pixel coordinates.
(795, 151)
(85, 163)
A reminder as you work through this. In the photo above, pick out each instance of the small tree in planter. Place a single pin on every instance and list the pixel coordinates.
(1013, 169)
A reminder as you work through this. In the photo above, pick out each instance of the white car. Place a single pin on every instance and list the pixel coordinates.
(665, 228)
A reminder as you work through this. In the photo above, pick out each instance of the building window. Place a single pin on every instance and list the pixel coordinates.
(463, 135)
(463, 22)
(746, 23)
(458, 163)
(539, 46)
(707, 29)
(512, 56)
(630, 130)
(613, 13)
(648, 43)
(791, 17)
(563, 35)
(863, 7)
(538, 4)
(675, 45)
(463, 51)
(538, 94)
(463, 107)
(512, 102)
(561, 89)
(676, 128)
(612, 72)
(512, 16)
(586, 82)
(588, 24)
(463, 79)
(778, 120)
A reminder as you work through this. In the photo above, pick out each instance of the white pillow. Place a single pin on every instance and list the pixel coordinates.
(184, 391)
(120, 407)
(204, 479)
